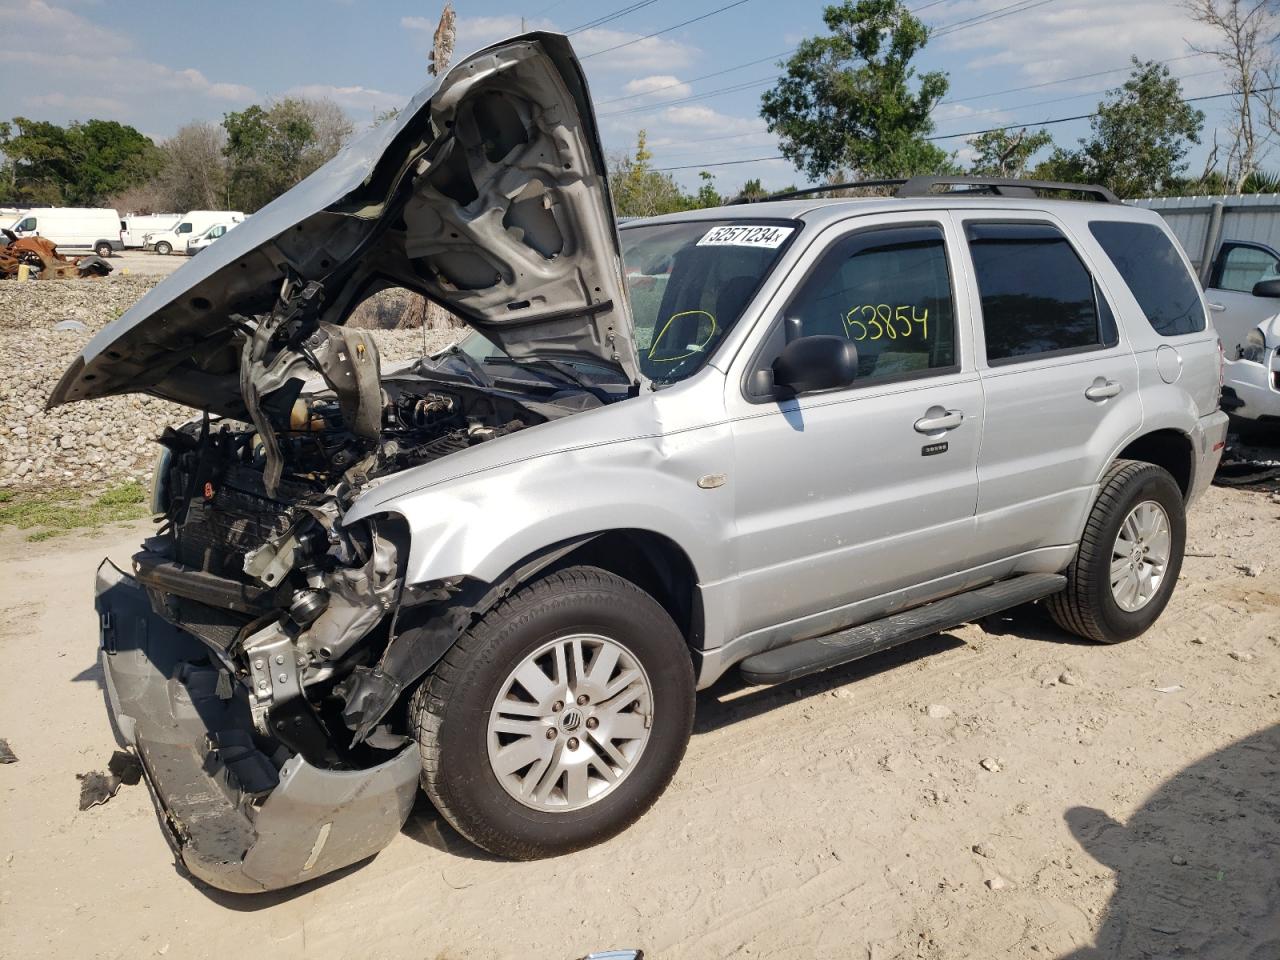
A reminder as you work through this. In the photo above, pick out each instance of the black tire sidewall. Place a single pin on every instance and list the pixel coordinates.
(163, 249)
(100, 248)
(1152, 484)
(472, 789)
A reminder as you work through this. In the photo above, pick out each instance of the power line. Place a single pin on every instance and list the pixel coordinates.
(1050, 83)
(984, 18)
(658, 33)
(970, 133)
(606, 18)
(698, 96)
(1074, 96)
(705, 76)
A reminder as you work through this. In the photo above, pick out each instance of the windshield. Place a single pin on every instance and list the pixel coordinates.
(689, 283)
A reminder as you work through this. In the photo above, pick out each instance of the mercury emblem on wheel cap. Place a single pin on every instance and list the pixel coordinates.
(571, 719)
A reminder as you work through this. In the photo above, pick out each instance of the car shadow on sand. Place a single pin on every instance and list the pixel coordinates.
(1198, 866)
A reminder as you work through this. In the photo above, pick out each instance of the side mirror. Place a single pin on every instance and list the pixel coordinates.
(808, 364)
(1267, 288)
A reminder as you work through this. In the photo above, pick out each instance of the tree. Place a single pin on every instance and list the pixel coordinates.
(846, 100)
(1141, 136)
(638, 189)
(271, 149)
(1246, 49)
(707, 195)
(195, 175)
(1006, 153)
(78, 165)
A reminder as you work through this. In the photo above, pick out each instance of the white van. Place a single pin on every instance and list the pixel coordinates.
(74, 228)
(189, 226)
(206, 238)
(137, 227)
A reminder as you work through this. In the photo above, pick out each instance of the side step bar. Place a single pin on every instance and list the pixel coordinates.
(804, 657)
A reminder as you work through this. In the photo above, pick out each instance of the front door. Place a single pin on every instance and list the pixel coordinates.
(848, 494)
(1236, 269)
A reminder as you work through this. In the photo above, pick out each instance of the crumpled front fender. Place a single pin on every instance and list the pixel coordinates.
(239, 820)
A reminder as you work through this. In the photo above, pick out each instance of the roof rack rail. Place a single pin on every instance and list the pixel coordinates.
(827, 188)
(924, 187)
(1002, 187)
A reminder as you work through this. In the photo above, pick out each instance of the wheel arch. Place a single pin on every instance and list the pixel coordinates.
(1168, 448)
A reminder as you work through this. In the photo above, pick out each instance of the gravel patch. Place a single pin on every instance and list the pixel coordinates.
(92, 444)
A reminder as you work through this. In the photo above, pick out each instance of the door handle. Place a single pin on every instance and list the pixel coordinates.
(1216, 307)
(1103, 390)
(936, 419)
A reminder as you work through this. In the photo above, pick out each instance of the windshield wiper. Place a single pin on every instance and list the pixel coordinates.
(474, 366)
(566, 374)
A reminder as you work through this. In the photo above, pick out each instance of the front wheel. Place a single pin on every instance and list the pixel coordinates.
(1129, 558)
(559, 718)
(164, 249)
(102, 249)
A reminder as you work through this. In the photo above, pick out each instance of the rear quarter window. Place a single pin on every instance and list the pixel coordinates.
(1156, 276)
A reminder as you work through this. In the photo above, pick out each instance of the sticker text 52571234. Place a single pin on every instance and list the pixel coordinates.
(746, 235)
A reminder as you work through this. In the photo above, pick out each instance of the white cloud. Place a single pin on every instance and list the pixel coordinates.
(648, 55)
(85, 69)
(355, 99)
(669, 87)
(1072, 37)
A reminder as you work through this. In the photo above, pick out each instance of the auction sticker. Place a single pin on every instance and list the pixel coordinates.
(746, 235)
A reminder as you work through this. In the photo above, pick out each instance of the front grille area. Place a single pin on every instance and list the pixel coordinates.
(218, 532)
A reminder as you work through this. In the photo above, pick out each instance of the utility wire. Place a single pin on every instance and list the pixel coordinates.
(606, 18)
(698, 96)
(658, 33)
(984, 18)
(1050, 83)
(705, 76)
(970, 133)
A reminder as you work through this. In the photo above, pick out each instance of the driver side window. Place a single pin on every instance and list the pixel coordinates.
(889, 292)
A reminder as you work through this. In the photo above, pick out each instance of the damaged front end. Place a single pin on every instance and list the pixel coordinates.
(260, 652)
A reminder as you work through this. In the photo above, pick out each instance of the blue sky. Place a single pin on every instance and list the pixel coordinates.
(159, 65)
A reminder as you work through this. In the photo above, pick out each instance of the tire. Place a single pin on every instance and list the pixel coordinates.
(102, 249)
(455, 708)
(163, 248)
(1089, 606)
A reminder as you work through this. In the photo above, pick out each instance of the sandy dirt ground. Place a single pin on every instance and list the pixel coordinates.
(144, 264)
(999, 791)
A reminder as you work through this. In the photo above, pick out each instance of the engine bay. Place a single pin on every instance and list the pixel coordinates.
(253, 557)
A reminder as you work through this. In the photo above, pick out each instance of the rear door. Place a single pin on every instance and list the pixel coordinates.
(1059, 377)
(848, 494)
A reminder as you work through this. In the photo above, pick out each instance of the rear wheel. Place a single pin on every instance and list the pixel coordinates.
(102, 248)
(559, 718)
(1129, 557)
(164, 249)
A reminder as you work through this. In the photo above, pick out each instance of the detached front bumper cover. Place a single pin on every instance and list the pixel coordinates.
(240, 820)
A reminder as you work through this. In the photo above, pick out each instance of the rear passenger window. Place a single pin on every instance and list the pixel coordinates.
(1038, 299)
(889, 291)
(1154, 273)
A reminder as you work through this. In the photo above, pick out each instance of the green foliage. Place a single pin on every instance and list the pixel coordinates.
(1006, 153)
(78, 165)
(1140, 140)
(641, 191)
(707, 195)
(269, 150)
(847, 99)
(59, 511)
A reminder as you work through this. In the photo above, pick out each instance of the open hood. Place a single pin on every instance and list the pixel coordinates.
(487, 194)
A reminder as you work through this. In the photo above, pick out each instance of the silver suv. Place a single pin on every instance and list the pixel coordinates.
(776, 437)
